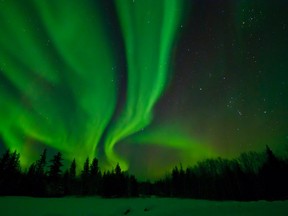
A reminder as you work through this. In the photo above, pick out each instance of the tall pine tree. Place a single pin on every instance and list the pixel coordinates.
(55, 177)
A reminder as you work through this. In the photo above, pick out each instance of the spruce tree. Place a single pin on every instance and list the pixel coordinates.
(95, 176)
(55, 167)
(54, 174)
(72, 170)
(40, 164)
(10, 173)
(85, 178)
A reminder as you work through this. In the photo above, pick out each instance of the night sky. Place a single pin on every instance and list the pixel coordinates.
(146, 83)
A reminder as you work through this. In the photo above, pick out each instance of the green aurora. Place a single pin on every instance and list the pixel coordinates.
(148, 29)
(145, 83)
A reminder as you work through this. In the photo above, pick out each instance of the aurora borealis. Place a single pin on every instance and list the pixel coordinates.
(145, 83)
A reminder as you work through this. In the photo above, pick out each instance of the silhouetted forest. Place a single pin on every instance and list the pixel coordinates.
(252, 176)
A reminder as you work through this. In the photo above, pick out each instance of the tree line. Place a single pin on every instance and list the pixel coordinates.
(252, 176)
(46, 179)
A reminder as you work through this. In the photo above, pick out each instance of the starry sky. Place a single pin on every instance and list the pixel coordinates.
(149, 84)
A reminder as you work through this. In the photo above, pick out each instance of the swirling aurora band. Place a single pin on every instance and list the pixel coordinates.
(148, 29)
(60, 73)
(92, 78)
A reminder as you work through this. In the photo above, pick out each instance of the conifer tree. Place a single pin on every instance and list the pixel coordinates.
(55, 167)
(55, 187)
(85, 174)
(40, 164)
(72, 170)
(10, 173)
(95, 176)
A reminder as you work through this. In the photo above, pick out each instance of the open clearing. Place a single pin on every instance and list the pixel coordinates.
(94, 206)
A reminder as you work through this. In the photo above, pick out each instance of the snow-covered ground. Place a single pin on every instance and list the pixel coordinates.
(92, 206)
